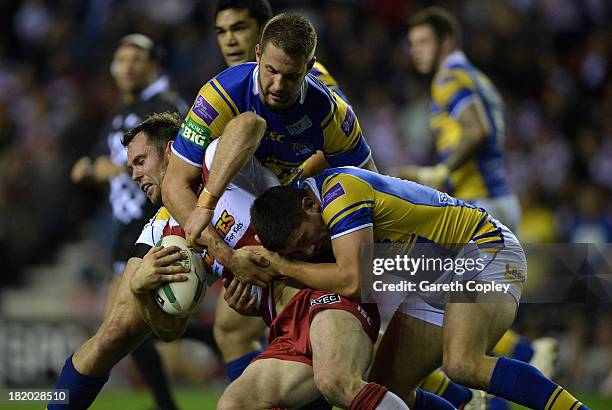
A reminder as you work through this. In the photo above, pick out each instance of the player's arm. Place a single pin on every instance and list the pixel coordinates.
(474, 132)
(456, 95)
(352, 251)
(178, 188)
(100, 170)
(343, 140)
(238, 143)
(145, 276)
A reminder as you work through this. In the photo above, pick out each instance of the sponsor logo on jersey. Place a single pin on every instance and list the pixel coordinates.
(349, 122)
(195, 133)
(446, 199)
(300, 126)
(332, 194)
(364, 314)
(302, 148)
(325, 299)
(514, 273)
(204, 110)
(275, 137)
(224, 223)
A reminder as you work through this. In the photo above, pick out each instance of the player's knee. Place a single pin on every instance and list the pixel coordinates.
(461, 368)
(335, 387)
(232, 400)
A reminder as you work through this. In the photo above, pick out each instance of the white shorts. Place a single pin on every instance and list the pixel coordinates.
(505, 209)
(508, 266)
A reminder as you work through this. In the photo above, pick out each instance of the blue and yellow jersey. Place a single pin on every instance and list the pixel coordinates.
(320, 120)
(398, 210)
(456, 84)
(319, 71)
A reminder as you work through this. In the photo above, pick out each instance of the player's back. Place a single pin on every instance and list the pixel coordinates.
(454, 86)
(399, 210)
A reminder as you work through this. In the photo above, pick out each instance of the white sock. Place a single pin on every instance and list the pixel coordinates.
(391, 402)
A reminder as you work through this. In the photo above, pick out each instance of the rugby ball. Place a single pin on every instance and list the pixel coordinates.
(183, 298)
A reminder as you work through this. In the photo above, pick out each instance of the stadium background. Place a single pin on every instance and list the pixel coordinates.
(551, 60)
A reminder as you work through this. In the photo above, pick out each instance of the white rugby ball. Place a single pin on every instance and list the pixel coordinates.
(183, 298)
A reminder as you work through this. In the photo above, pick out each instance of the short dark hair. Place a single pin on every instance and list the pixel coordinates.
(260, 10)
(276, 213)
(293, 34)
(159, 128)
(442, 22)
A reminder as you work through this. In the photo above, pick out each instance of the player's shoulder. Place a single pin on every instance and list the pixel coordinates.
(343, 179)
(237, 77)
(319, 69)
(232, 86)
(162, 214)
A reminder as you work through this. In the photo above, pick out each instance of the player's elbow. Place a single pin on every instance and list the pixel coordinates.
(248, 127)
(352, 286)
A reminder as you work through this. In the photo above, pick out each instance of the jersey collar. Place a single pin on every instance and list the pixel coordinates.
(312, 184)
(156, 87)
(456, 57)
(255, 88)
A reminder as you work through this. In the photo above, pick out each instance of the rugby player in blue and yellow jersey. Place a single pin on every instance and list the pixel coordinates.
(273, 109)
(467, 119)
(347, 210)
(239, 25)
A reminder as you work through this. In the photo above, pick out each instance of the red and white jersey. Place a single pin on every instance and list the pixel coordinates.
(231, 219)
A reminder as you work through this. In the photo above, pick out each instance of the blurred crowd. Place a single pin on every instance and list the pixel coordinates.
(550, 59)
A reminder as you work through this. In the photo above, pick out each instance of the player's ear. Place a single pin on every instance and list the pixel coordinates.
(168, 148)
(113, 69)
(257, 239)
(258, 52)
(311, 62)
(309, 204)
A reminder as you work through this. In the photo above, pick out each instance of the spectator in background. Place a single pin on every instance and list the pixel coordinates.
(143, 91)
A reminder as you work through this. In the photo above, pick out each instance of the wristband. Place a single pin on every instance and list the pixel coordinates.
(207, 200)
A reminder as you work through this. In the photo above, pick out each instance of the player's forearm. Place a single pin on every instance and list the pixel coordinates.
(217, 247)
(322, 276)
(104, 169)
(177, 188)
(474, 133)
(238, 143)
(165, 326)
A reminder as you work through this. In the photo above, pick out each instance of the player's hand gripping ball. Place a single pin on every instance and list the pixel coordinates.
(183, 298)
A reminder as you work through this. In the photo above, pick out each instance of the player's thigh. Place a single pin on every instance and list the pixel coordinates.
(235, 334)
(475, 328)
(410, 349)
(268, 383)
(339, 343)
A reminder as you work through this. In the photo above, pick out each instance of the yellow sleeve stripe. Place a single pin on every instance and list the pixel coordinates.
(331, 112)
(349, 210)
(217, 86)
(220, 104)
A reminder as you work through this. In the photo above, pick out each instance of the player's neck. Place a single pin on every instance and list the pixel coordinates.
(444, 53)
(128, 97)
